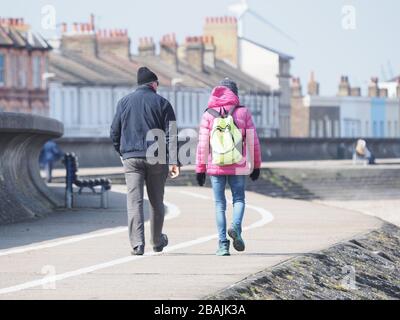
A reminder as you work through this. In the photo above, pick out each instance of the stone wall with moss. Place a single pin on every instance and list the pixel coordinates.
(366, 268)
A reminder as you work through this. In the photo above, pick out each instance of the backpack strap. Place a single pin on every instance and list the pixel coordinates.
(232, 111)
(217, 114)
(214, 113)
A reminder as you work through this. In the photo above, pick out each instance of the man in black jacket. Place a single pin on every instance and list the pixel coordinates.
(141, 115)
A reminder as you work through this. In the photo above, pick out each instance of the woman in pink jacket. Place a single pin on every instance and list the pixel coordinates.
(223, 99)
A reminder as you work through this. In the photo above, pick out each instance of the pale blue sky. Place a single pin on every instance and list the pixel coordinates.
(321, 44)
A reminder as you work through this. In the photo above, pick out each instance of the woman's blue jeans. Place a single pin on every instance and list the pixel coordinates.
(238, 186)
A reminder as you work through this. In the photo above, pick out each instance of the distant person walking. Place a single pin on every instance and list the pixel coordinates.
(228, 148)
(50, 154)
(138, 114)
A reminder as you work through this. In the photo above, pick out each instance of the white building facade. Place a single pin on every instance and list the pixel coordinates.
(353, 117)
(88, 111)
(270, 67)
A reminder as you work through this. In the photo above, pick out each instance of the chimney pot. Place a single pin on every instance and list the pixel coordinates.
(398, 87)
(296, 88)
(383, 92)
(373, 89)
(355, 92)
(344, 87)
(92, 22)
(313, 86)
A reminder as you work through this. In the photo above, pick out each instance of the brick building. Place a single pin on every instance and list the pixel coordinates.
(23, 67)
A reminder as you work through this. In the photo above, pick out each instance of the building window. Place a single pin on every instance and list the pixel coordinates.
(36, 72)
(390, 129)
(382, 129)
(320, 128)
(313, 129)
(22, 71)
(336, 129)
(358, 128)
(63, 108)
(367, 129)
(14, 70)
(328, 126)
(352, 128)
(375, 130)
(347, 128)
(396, 129)
(2, 70)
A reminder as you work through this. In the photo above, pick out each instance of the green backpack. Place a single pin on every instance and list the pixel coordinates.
(226, 139)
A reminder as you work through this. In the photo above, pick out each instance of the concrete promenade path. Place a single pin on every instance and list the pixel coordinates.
(85, 253)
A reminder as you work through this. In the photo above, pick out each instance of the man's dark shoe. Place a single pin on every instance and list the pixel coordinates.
(138, 251)
(165, 241)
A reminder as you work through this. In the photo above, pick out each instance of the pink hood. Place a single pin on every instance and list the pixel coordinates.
(223, 97)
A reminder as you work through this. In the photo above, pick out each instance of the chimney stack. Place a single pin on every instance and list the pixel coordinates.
(296, 88)
(373, 89)
(64, 28)
(209, 51)
(313, 86)
(169, 50)
(92, 22)
(299, 113)
(224, 31)
(398, 87)
(75, 27)
(15, 23)
(195, 53)
(147, 47)
(344, 87)
(114, 41)
(355, 92)
(383, 92)
(82, 39)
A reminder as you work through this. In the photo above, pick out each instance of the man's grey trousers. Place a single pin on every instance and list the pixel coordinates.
(137, 173)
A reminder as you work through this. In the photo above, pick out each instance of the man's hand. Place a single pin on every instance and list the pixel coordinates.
(174, 171)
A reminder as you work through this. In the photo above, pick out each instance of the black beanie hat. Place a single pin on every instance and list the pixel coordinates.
(230, 85)
(145, 76)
